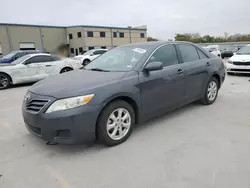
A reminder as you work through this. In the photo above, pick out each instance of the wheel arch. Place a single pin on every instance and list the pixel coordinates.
(218, 78)
(66, 67)
(124, 97)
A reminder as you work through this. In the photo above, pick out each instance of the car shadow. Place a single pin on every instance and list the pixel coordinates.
(95, 147)
(21, 85)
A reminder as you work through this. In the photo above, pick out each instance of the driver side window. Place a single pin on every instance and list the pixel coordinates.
(166, 55)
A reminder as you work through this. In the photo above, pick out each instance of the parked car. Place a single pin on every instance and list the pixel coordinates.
(16, 54)
(214, 49)
(125, 86)
(90, 55)
(34, 67)
(240, 62)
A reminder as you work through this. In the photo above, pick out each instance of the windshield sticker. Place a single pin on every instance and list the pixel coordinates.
(139, 50)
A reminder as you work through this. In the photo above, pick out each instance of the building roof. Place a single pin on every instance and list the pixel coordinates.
(88, 26)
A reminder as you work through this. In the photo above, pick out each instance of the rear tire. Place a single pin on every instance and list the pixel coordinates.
(5, 81)
(112, 128)
(211, 92)
(66, 69)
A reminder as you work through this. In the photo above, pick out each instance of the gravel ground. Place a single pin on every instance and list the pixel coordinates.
(192, 147)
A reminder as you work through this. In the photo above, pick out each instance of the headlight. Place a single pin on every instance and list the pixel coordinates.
(73, 102)
(229, 61)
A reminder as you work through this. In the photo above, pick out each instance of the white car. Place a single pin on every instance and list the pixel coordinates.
(214, 49)
(90, 55)
(34, 67)
(240, 62)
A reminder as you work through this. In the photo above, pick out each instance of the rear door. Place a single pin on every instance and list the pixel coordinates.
(163, 89)
(195, 66)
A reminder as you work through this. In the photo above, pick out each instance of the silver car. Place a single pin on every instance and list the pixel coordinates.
(34, 67)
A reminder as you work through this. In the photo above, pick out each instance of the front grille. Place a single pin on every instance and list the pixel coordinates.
(241, 63)
(240, 70)
(36, 105)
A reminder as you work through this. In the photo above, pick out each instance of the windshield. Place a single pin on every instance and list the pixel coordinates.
(88, 52)
(10, 55)
(21, 59)
(118, 59)
(244, 50)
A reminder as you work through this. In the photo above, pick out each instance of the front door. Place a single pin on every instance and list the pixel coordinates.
(164, 89)
(195, 64)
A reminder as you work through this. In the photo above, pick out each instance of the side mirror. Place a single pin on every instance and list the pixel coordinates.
(210, 50)
(91, 54)
(153, 66)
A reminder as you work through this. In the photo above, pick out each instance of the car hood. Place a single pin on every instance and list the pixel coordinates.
(240, 58)
(74, 83)
(5, 60)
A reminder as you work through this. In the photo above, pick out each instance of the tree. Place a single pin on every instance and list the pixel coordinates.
(196, 38)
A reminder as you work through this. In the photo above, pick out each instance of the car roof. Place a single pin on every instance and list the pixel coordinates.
(37, 54)
(99, 49)
(156, 44)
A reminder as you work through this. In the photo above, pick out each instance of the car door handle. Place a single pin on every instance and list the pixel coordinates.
(208, 63)
(180, 71)
(48, 65)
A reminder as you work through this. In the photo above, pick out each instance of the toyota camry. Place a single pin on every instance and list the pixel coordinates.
(125, 86)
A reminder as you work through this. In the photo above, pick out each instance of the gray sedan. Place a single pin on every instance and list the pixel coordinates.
(123, 87)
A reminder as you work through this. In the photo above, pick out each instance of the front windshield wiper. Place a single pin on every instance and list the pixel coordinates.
(97, 69)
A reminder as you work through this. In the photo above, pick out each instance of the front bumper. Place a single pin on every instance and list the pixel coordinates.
(237, 68)
(66, 127)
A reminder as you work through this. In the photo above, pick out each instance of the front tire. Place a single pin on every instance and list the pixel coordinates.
(5, 81)
(115, 123)
(211, 91)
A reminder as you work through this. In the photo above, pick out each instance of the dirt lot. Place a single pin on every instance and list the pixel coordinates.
(193, 147)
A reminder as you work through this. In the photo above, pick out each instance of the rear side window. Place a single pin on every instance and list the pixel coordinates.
(188, 53)
(39, 59)
(165, 54)
(201, 54)
(99, 52)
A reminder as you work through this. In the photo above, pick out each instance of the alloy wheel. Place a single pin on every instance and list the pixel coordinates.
(3, 81)
(212, 91)
(118, 124)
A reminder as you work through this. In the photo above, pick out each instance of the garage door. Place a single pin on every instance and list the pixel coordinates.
(27, 46)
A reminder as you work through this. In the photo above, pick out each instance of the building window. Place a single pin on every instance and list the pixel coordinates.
(91, 47)
(114, 34)
(70, 36)
(81, 50)
(90, 34)
(72, 50)
(102, 34)
(121, 35)
(103, 47)
(142, 35)
(79, 34)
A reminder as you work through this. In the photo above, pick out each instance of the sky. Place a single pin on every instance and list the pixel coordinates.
(164, 18)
